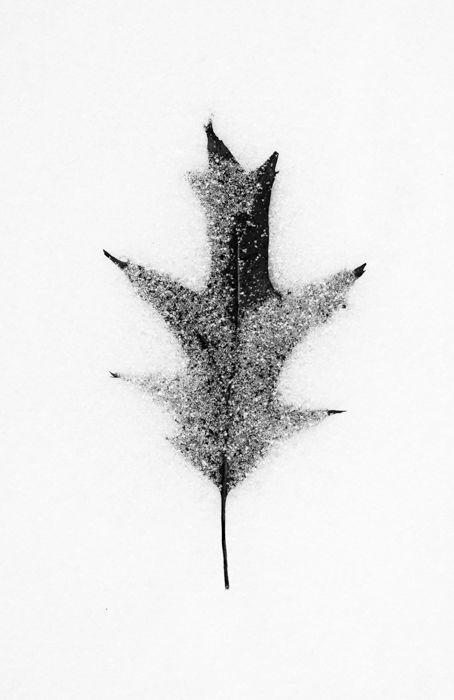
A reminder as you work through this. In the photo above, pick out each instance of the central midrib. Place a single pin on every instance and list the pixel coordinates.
(228, 394)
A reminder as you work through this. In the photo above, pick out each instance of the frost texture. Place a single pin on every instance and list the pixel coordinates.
(237, 332)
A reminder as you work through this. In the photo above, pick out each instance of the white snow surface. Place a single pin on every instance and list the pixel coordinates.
(341, 544)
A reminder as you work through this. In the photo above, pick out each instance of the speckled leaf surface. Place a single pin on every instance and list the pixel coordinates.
(237, 332)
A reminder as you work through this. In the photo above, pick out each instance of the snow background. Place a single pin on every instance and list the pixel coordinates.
(341, 544)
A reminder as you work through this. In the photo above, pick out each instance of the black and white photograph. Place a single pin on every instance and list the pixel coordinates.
(226, 467)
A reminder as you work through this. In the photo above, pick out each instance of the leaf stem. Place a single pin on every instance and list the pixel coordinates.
(223, 538)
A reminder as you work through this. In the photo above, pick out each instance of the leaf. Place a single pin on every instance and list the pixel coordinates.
(237, 332)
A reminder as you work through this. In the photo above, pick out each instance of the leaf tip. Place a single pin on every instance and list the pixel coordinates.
(121, 264)
(359, 271)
